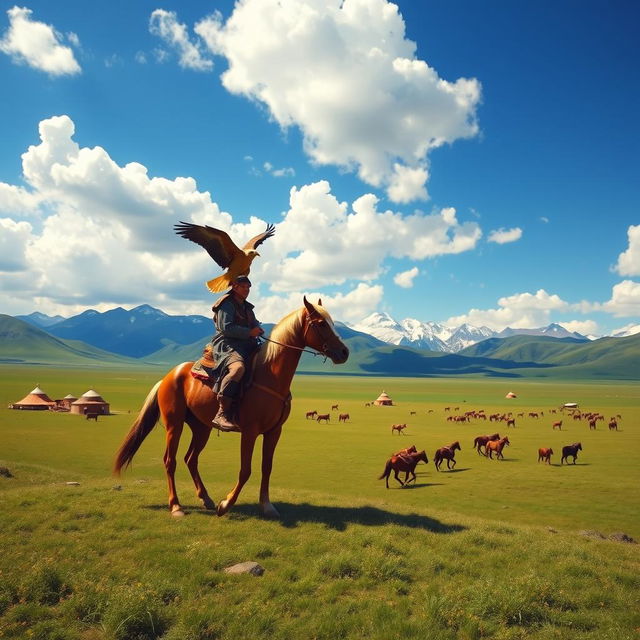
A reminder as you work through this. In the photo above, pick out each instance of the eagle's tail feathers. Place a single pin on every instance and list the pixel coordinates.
(221, 283)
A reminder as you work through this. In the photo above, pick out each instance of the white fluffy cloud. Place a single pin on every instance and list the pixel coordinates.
(38, 44)
(625, 299)
(345, 74)
(503, 236)
(522, 310)
(326, 242)
(629, 261)
(584, 327)
(405, 279)
(165, 25)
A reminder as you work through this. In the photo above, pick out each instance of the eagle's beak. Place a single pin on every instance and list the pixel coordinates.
(257, 254)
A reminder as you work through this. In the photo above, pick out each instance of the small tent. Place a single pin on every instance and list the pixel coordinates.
(383, 400)
(511, 395)
(36, 400)
(90, 403)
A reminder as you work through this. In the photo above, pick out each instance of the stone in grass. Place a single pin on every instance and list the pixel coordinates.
(5, 472)
(72, 484)
(246, 567)
(619, 536)
(590, 533)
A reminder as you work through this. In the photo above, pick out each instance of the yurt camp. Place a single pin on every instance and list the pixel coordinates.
(36, 400)
(90, 403)
(383, 400)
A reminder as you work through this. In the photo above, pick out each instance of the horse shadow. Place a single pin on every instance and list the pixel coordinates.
(455, 470)
(292, 515)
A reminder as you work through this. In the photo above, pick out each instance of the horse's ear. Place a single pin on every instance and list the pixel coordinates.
(319, 302)
(309, 306)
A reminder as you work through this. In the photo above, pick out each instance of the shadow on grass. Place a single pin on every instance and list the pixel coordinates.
(339, 518)
(454, 470)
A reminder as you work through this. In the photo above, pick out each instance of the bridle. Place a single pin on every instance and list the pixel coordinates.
(309, 323)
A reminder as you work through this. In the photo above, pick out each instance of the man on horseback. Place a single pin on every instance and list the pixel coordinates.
(234, 342)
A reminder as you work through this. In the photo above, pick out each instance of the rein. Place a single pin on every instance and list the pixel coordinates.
(302, 349)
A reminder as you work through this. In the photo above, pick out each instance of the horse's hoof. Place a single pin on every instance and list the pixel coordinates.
(177, 512)
(223, 507)
(208, 504)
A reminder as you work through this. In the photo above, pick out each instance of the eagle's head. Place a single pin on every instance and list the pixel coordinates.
(252, 253)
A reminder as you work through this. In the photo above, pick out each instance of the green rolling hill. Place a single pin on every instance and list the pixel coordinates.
(515, 356)
(23, 343)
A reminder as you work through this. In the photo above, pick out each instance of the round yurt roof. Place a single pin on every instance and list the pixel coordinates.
(91, 394)
(70, 396)
(511, 395)
(384, 396)
(38, 391)
(35, 399)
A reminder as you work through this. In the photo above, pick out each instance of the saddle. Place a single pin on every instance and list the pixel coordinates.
(203, 369)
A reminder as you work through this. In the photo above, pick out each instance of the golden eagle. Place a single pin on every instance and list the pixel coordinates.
(223, 250)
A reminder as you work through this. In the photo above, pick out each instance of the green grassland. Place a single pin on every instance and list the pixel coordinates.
(490, 550)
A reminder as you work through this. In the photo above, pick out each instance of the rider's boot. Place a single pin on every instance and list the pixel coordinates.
(223, 419)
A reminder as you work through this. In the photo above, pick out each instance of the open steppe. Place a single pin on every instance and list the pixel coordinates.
(492, 549)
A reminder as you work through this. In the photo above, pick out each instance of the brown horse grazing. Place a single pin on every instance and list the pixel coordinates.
(334, 407)
(310, 414)
(545, 454)
(399, 428)
(446, 453)
(179, 397)
(511, 422)
(497, 446)
(592, 424)
(343, 417)
(557, 425)
(481, 441)
(571, 450)
(406, 463)
(613, 424)
(323, 416)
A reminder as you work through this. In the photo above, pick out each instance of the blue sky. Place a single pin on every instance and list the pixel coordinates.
(457, 162)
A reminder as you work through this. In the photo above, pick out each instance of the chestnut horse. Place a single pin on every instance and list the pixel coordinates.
(497, 446)
(446, 453)
(570, 450)
(310, 414)
(406, 462)
(343, 417)
(399, 428)
(544, 453)
(481, 441)
(180, 398)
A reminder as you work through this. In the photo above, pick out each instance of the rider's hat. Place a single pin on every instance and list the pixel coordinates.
(241, 280)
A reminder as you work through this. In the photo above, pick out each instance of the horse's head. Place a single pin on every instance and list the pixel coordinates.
(422, 455)
(320, 334)
(455, 445)
(506, 440)
(578, 446)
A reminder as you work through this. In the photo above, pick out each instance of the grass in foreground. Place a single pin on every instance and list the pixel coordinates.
(349, 559)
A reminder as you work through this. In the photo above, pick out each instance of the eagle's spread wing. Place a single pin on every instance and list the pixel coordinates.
(260, 238)
(217, 243)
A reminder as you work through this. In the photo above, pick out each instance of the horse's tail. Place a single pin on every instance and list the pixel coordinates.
(387, 470)
(140, 429)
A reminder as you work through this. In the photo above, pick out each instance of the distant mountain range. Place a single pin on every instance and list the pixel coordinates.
(146, 336)
(439, 337)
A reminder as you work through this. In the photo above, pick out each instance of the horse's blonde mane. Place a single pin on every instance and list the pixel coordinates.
(286, 331)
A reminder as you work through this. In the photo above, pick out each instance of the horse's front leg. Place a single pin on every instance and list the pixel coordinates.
(246, 452)
(395, 473)
(174, 430)
(269, 443)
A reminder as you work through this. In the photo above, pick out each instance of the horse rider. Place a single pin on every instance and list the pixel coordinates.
(236, 340)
